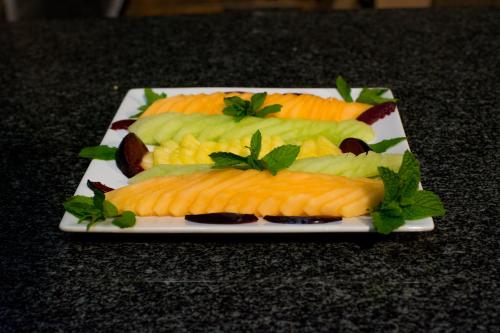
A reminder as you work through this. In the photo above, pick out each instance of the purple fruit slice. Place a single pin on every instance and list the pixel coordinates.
(355, 146)
(302, 219)
(377, 112)
(99, 186)
(222, 218)
(122, 124)
(130, 154)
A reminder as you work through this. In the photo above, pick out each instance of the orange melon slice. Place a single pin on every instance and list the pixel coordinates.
(250, 192)
(298, 106)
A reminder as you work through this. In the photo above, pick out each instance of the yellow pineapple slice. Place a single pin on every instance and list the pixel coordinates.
(148, 161)
(250, 192)
(300, 106)
(192, 151)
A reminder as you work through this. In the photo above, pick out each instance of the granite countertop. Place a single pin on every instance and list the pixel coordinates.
(62, 81)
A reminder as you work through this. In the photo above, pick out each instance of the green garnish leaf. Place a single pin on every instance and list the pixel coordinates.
(409, 166)
(385, 224)
(382, 146)
(344, 89)
(108, 209)
(409, 174)
(373, 96)
(402, 199)
(239, 108)
(257, 100)
(281, 158)
(98, 199)
(278, 159)
(226, 159)
(391, 184)
(150, 97)
(106, 153)
(255, 145)
(82, 207)
(274, 108)
(93, 209)
(126, 220)
(425, 203)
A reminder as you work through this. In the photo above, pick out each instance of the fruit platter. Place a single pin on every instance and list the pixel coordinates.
(253, 160)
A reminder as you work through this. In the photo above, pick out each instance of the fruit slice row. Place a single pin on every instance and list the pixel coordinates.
(349, 165)
(173, 126)
(250, 192)
(294, 106)
(192, 151)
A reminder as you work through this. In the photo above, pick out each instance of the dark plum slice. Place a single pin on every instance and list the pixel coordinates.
(377, 112)
(130, 154)
(122, 124)
(355, 146)
(99, 186)
(222, 218)
(302, 219)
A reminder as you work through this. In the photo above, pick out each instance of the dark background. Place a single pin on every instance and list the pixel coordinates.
(62, 81)
(25, 10)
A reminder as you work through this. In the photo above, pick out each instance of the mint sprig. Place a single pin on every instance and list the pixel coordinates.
(150, 97)
(343, 88)
(382, 146)
(97, 208)
(402, 198)
(277, 159)
(105, 153)
(371, 96)
(239, 108)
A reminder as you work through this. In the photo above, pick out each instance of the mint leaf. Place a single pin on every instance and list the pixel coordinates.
(391, 184)
(383, 145)
(98, 199)
(81, 207)
(409, 173)
(255, 145)
(425, 203)
(343, 88)
(150, 97)
(99, 153)
(257, 100)
(268, 110)
(409, 166)
(281, 158)
(402, 199)
(373, 96)
(236, 107)
(385, 224)
(108, 209)
(225, 159)
(236, 102)
(391, 208)
(255, 164)
(235, 111)
(126, 220)
(93, 209)
(239, 108)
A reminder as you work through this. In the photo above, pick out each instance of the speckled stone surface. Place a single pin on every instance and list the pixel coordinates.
(62, 81)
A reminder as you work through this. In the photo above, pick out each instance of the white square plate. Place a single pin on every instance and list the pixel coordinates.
(107, 173)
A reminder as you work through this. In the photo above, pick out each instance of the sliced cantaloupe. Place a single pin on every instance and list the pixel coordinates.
(300, 106)
(250, 192)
